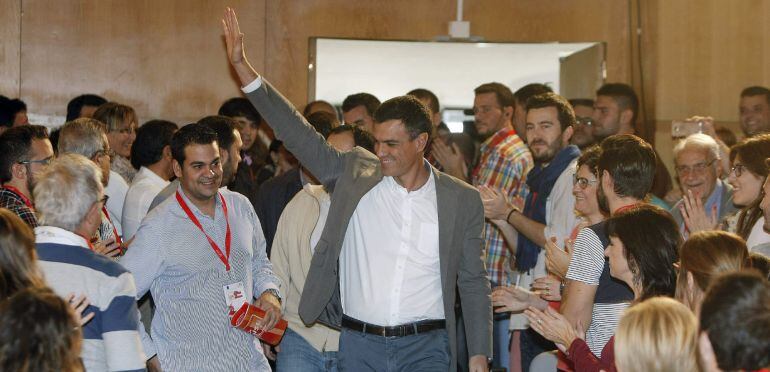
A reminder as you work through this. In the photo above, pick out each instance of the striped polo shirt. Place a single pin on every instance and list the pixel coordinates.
(110, 340)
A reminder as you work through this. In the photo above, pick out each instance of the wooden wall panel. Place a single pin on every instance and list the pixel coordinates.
(291, 23)
(10, 32)
(164, 58)
(709, 50)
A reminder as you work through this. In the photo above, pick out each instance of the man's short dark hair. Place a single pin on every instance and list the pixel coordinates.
(309, 106)
(623, 95)
(424, 94)
(735, 314)
(370, 102)
(77, 103)
(563, 108)
(239, 106)
(630, 161)
(361, 137)
(581, 102)
(16, 143)
(6, 119)
(756, 91)
(150, 140)
(224, 127)
(410, 111)
(323, 122)
(190, 134)
(503, 93)
(523, 94)
(8, 110)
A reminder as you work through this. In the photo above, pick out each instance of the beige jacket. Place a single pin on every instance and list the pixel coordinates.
(291, 256)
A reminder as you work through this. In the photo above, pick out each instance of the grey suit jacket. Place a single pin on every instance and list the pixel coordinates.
(353, 174)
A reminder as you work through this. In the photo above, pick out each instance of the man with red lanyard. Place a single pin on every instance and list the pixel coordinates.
(201, 254)
(26, 151)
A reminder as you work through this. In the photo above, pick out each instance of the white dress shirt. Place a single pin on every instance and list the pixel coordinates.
(116, 189)
(389, 264)
(140, 194)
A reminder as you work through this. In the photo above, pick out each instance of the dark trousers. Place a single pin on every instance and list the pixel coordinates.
(532, 344)
(366, 352)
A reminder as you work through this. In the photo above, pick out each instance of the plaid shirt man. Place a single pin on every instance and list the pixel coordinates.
(504, 164)
(15, 203)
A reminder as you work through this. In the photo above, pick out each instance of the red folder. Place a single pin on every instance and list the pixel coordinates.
(248, 315)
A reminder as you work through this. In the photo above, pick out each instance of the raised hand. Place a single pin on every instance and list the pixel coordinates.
(450, 158)
(694, 214)
(495, 205)
(235, 50)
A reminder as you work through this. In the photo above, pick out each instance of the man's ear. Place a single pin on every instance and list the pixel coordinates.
(627, 117)
(708, 359)
(224, 156)
(421, 141)
(177, 168)
(167, 152)
(508, 112)
(567, 135)
(19, 171)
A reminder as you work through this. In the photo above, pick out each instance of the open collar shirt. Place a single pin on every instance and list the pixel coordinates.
(172, 259)
(389, 264)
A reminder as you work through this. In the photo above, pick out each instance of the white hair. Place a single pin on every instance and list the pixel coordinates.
(66, 190)
(82, 136)
(698, 141)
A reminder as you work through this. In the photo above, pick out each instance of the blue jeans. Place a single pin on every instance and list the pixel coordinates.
(297, 355)
(501, 338)
(361, 352)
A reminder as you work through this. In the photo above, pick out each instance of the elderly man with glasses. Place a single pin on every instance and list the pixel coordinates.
(706, 199)
(26, 151)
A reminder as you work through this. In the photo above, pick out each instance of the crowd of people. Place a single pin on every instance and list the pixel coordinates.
(546, 237)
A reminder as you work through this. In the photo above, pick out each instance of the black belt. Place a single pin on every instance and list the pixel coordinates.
(394, 331)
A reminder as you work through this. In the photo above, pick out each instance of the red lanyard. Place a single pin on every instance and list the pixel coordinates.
(225, 258)
(625, 208)
(114, 230)
(496, 140)
(18, 193)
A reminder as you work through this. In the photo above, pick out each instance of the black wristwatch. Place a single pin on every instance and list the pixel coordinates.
(275, 293)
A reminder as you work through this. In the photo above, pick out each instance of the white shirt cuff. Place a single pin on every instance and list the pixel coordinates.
(254, 85)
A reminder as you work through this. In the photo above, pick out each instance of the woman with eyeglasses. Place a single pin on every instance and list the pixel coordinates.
(644, 243)
(747, 174)
(585, 184)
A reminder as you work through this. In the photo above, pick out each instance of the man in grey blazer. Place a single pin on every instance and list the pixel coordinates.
(401, 238)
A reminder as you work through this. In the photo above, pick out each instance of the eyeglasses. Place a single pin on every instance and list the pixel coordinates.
(737, 169)
(585, 121)
(698, 168)
(45, 161)
(582, 181)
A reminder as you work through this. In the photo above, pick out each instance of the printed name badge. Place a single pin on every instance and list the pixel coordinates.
(235, 297)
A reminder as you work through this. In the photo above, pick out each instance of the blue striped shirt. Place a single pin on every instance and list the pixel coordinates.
(172, 259)
(110, 340)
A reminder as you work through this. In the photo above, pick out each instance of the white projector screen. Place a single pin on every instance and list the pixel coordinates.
(340, 67)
